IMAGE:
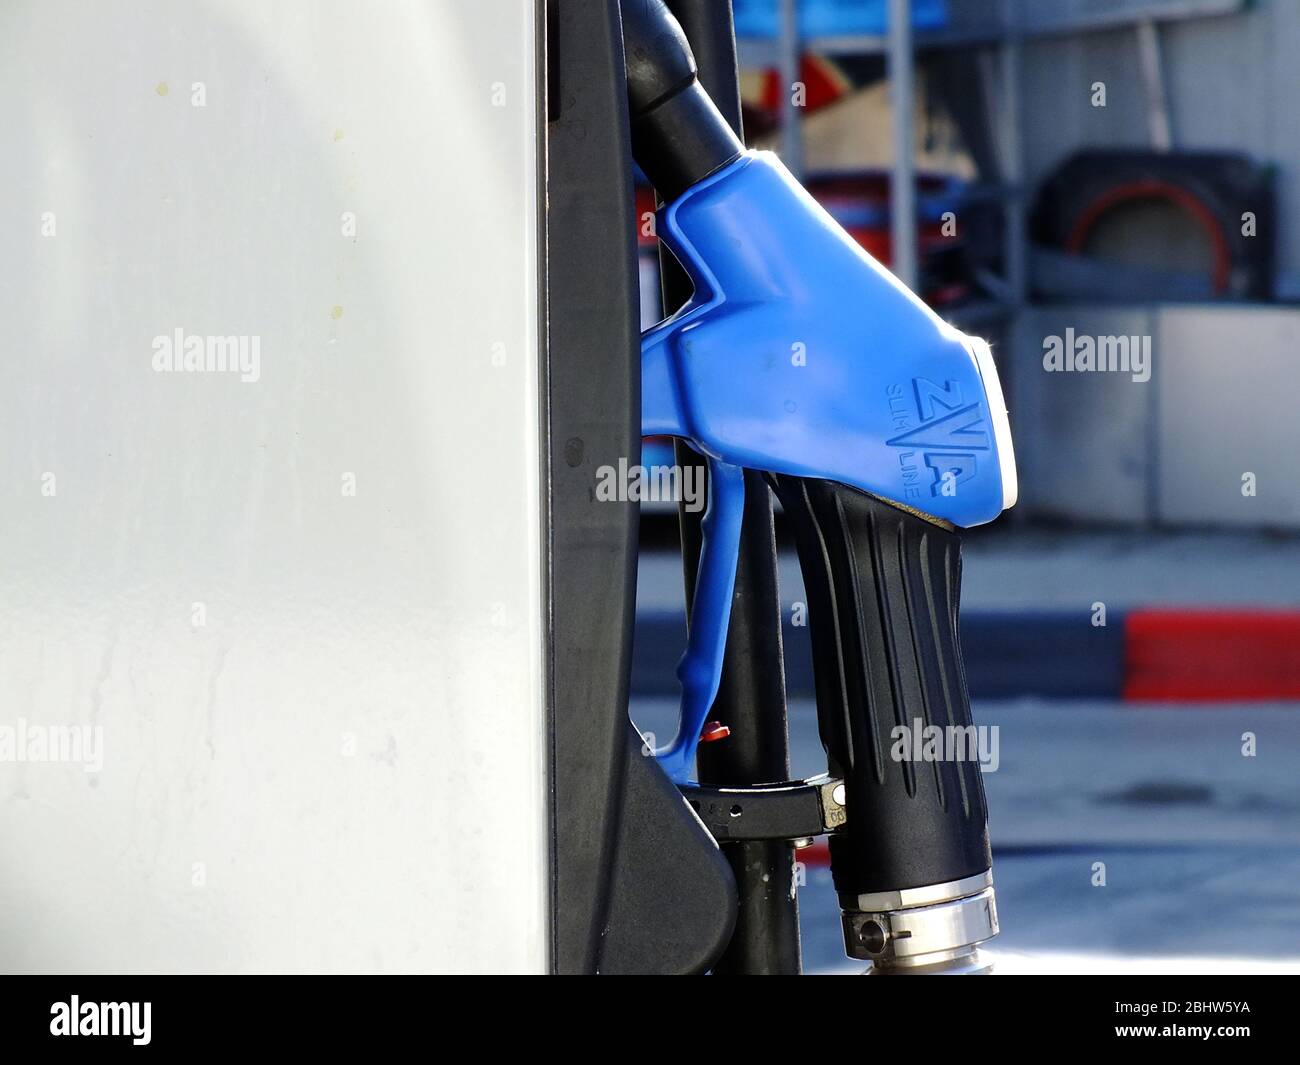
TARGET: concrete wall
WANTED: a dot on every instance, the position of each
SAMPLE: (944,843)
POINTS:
(1173,450)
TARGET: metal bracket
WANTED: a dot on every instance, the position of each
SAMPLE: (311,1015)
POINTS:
(792,809)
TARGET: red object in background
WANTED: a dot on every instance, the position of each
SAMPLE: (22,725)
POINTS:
(714,730)
(824,83)
(817,853)
(860,203)
(1211,655)
(1154,189)
(645,207)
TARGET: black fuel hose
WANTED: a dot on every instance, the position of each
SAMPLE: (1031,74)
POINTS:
(678,135)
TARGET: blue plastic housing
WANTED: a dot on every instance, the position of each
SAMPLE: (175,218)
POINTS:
(801,354)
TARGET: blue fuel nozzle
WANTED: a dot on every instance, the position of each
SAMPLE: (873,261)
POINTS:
(801,355)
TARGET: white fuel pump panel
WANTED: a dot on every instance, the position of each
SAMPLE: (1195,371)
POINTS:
(271,641)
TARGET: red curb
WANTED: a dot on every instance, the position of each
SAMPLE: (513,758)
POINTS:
(1211,655)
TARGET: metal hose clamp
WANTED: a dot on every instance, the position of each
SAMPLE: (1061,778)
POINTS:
(927,929)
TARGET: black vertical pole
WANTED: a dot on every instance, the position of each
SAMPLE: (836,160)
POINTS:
(751,700)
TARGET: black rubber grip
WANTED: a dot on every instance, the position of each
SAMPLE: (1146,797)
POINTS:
(883,587)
